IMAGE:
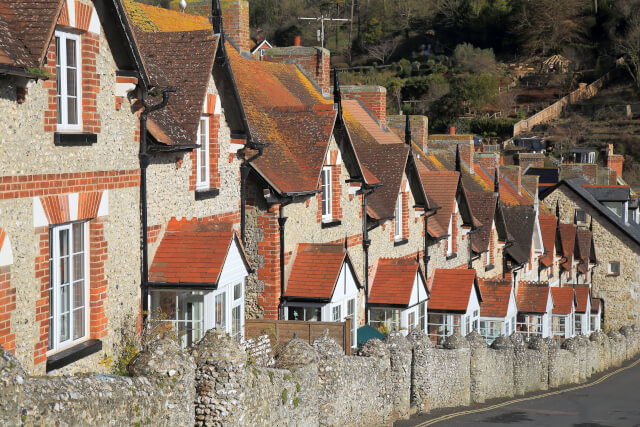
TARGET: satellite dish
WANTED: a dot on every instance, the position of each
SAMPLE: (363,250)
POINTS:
(183,5)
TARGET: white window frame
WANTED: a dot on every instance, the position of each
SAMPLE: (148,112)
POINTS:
(61,65)
(203,181)
(237,303)
(305,306)
(397,231)
(446,324)
(327,192)
(584,215)
(531,325)
(491,329)
(182,298)
(391,319)
(610,270)
(450,237)
(55,344)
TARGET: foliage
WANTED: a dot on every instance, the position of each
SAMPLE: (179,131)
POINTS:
(477,90)
(492,127)
(474,60)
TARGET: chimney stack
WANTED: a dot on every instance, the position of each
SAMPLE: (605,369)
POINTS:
(374,98)
(513,174)
(312,61)
(419,128)
(235,22)
(615,162)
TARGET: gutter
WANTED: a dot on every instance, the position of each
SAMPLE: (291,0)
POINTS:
(143,157)
(281,222)
(21,72)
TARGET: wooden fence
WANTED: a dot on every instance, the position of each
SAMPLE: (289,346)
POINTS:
(281,331)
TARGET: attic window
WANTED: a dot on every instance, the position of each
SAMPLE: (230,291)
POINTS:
(326,194)
(67,81)
(397,232)
(580,216)
(202,155)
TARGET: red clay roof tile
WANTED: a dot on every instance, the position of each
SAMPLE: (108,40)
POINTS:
(315,270)
(495,298)
(563,300)
(567,242)
(451,289)
(548,229)
(532,297)
(393,281)
(583,294)
(441,186)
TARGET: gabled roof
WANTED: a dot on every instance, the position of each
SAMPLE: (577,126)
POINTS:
(563,300)
(193,252)
(548,226)
(383,154)
(451,289)
(315,271)
(26,28)
(508,193)
(285,111)
(393,282)
(483,206)
(584,242)
(520,221)
(532,297)
(595,305)
(583,295)
(441,187)
(576,185)
(495,298)
(609,193)
(152,19)
(567,234)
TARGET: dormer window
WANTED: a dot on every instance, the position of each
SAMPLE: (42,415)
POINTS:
(202,155)
(397,232)
(580,216)
(326,194)
(67,81)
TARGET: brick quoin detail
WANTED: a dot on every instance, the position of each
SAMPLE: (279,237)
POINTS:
(336,196)
(352,241)
(42,303)
(269,249)
(405,214)
(454,232)
(97,282)
(491,249)
(13,187)
(7,306)
(214,155)
(90,82)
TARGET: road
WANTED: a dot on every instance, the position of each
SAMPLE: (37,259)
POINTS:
(607,400)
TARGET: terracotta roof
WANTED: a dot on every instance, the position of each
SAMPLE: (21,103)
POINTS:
(583,294)
(183,60)
(567,241)
(442,187)
(548,229)
(193,251)
(532,297)
(584,241)
(315,270)
(495,298)
(393,282)
(451,289)
(508,193)
(157,19)
(26,28)
(378,152)
(483,207)
(520,221)
(285,111)
(595,305)
(563,300)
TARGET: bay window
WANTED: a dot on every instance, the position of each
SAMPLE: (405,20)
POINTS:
(68,287)
(530,325)
(202,154)
(312,313)
(385,319)
(441,325)
(326,194)
(67,81)
(490,330)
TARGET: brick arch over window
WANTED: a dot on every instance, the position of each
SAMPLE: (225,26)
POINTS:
(7,294)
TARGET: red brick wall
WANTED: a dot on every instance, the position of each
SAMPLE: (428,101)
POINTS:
(42,303)
(615,163)
(235,22)
(13,187)
(153,231)
(97,282)
(7,306)
(405,214)
(336,196)
(214,153)
(489,161)
(513,174)
(269,248)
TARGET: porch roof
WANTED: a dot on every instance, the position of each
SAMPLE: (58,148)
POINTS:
(495,298)
(193,252)
(532,297)
(393,282)
(582,298)
(563,299)
(451,289)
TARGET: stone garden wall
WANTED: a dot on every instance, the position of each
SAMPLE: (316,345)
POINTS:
(311,385)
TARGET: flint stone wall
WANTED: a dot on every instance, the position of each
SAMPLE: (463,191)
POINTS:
(159,392)
(485,363)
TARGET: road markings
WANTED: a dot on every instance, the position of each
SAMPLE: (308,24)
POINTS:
(524,399)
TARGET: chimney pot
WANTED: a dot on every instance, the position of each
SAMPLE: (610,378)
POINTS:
(297,41)
(452,130)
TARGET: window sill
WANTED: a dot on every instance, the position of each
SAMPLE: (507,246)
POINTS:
(400,242)
(452,256)
(73,354)
(489,267)
(205,194)
(613,274)
(330,224)
(73,139)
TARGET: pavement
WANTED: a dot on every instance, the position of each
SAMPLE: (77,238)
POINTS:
(609,399)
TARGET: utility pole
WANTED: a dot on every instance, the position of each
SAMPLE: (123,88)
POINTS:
(322,19)
(350,33)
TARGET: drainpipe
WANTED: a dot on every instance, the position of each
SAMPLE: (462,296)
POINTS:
(281,222)
(366,242)
(143,156)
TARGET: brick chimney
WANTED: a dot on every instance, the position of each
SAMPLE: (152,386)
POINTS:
(535,160)
(513,174)
(489,161)
(449,142)
(615,162)
(312,61)
(372,97)
(235,22)
(419,128)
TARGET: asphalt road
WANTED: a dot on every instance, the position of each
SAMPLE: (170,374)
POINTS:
(615,401)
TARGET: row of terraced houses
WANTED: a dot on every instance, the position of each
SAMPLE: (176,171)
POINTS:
(150,163)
